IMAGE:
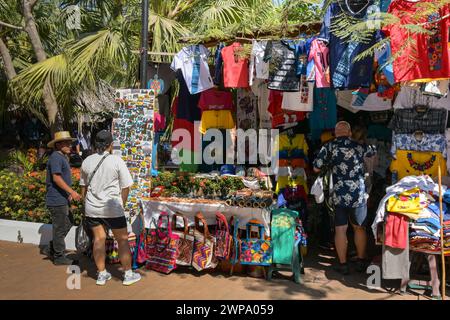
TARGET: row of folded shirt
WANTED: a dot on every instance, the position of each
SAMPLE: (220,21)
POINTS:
(413,215)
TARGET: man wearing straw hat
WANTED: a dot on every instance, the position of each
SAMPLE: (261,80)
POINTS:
(345,158)
(59,195)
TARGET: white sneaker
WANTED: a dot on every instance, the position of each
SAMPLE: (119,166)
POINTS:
(102,278)
(128,280)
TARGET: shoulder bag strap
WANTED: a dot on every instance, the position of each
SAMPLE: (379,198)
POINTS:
(96,168)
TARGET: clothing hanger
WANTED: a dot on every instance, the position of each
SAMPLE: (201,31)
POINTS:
(418,135)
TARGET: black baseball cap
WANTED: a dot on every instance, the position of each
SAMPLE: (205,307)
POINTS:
(103,139)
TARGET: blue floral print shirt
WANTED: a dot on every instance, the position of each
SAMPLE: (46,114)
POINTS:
(345,158)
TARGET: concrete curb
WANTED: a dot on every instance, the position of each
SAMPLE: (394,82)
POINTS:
(33,233)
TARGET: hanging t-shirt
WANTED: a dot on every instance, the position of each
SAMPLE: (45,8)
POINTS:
(408,97)
(187,103)
(235,66)
(218,65)
(283,227)
(356,101)
(427,56)
(416,163)
(319,53)
(214,99)
(193,63)
(247,106)
(283,59)
(345,72)
(412,120)
(324,115)
(301,100)
(282,117)
(260,90)
(259,69)
(428,142)
(217,119)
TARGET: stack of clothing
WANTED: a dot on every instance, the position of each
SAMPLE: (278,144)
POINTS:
(425,231)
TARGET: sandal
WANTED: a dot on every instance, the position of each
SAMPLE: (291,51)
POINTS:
(439,297)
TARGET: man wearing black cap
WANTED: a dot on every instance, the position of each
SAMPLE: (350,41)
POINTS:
(105,183)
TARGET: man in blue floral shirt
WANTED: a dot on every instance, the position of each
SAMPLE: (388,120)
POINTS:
(345,158)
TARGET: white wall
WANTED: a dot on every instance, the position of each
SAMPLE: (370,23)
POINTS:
(30,232)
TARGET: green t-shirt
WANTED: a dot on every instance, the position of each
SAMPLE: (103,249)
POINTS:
(283,235)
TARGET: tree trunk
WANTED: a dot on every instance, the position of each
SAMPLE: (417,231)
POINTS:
(7,60)
(49,98)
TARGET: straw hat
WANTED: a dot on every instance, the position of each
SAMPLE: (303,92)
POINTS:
(60,136)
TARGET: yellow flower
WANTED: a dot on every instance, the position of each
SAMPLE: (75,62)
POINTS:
(7,209)
(17,197)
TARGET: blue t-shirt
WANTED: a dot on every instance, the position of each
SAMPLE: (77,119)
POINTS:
(344,71)
(57,164)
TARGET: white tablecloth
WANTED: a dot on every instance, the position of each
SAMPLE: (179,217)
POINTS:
(152,209)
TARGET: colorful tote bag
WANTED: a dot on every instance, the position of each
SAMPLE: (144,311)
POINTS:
(203,257)
(223,237)
(185,242)
(140,253)
(255,251)
(112,248)
(162,247)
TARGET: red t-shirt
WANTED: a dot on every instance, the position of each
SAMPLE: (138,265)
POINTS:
(280,116)
(213,99)
(427,57)
(235,68)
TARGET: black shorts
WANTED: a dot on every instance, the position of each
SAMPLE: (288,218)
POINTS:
(357,216)
(111,223)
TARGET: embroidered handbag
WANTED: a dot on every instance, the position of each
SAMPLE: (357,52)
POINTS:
(112,247)
(162,247)
(140,253)
(223,237)
(255,251)
(203,257)
(185,242)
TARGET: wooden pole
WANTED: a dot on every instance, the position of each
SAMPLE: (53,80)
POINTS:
(442,230)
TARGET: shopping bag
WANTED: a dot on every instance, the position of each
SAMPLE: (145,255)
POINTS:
(140,253)
(255,251)
(82,241)
(162,247)
(112,247)
(185,241)
(223,237)
(203,257)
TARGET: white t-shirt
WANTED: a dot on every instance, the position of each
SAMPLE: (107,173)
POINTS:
(260,90)
(258,68)
(301,100)
(408,97)
(103,198)
(373,102)
(193,62)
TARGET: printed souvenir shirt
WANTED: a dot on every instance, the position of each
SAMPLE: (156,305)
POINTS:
(416,163)
(235,67)
(428,142)
(213,99)
(259,69)
(346,73)
(282,117)
(345,157)
(319,53)
(193,62)
(283,65)
(427,56)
